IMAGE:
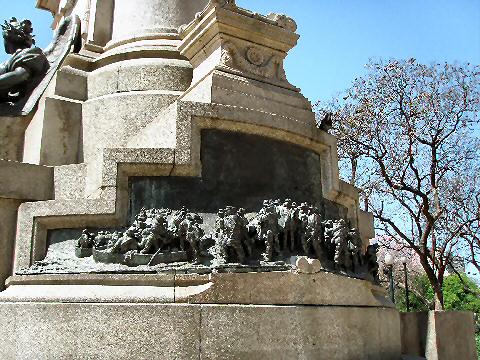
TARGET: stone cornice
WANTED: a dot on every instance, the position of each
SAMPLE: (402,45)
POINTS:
(236,22)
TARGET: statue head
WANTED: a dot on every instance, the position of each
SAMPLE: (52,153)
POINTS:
(17,35)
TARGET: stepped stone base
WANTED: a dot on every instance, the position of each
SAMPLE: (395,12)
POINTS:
(54,331)
(277,315)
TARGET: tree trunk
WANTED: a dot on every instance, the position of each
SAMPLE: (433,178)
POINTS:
(438,295)
(354,164)
(437,285)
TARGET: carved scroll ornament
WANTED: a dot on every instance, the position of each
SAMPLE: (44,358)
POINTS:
(253,60)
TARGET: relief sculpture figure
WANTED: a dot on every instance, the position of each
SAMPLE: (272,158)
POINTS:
(278,232)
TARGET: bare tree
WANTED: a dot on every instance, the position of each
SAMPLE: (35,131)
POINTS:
(409,138)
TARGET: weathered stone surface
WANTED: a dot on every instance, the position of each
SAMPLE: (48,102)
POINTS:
(100,24)
(25,182)
(277,333)
(140,75)
(267,288)
(92,293)
(106,279)
(122,115)
(439,335)
(282,288)
(133,331)
(98,331)
(147,18)
(72,83)
(12,130)
(69,181)
(454,336)
(414,331)
(8,222)
(62,126)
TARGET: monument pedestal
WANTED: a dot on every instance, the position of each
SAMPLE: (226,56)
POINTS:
(164,139)
(219,316)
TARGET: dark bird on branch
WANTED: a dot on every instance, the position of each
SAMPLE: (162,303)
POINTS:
(327,123)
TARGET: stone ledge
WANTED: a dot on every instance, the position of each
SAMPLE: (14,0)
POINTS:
(269,288)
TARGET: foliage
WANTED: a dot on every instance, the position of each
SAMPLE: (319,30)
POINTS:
(420,295)
(460,294)
(406,135)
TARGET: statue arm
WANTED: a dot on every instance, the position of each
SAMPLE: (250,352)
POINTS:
(14,78)
(3,68)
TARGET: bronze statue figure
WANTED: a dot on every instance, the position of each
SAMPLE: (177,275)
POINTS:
(26,75)
(27,63)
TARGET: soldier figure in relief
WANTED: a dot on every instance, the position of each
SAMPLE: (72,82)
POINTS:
(86,240)
(234,233)
(286,222)
(127,242)
(269,230)
(356,248)
(176,228)
(302,232)
(315,232)
(155,235)
(340,241)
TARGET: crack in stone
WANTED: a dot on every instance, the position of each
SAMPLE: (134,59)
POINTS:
(173,165)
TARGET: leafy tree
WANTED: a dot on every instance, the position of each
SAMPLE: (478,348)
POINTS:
(408,138)
(461,293)
(457,296)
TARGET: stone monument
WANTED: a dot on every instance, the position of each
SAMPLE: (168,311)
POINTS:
(165,193)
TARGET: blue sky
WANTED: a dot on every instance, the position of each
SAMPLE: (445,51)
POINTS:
(338,37)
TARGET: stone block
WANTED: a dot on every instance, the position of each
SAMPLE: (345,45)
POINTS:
(101,21)
(61,131)
(439,335)
(8,224)
(123,115)
(70,181)
(25,181)
(365,225)
(140,19)
(154,74)
(72,83)
(281,288)
(285,333)
(414,329)
(12,131)
(78,330)
(451,336)
(98,331)
(140,75)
